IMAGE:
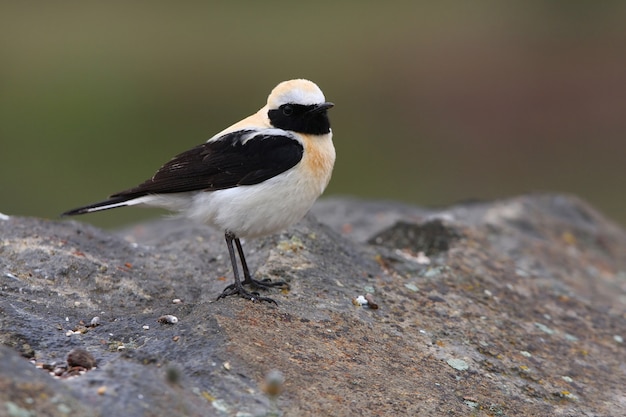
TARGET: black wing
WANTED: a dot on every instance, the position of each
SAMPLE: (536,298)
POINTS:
(224,163)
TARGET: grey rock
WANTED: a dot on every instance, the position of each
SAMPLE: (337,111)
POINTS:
(491,277)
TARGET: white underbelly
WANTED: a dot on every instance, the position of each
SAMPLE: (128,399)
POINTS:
(256,210)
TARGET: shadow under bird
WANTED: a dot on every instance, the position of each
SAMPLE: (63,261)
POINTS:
(254,178)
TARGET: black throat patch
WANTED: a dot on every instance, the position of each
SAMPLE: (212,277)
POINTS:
(301,119)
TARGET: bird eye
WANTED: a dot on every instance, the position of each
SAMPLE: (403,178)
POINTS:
(287,110)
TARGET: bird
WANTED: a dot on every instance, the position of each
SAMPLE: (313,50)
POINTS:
(255,178)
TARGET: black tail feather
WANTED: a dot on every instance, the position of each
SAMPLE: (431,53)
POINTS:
(102,205)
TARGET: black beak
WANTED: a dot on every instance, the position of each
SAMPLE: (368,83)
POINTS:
(322,107)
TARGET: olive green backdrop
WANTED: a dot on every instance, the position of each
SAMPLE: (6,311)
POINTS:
(436,102)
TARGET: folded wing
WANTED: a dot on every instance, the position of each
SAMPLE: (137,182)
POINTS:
(227,162)
(235,159)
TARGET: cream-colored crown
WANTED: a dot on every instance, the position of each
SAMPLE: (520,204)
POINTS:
(297,91)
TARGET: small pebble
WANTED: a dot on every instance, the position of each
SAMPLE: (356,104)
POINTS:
(95,321)
(359,301)
(80,357)
(544,328)
(422,259)
(432,272)
(146,327)
(370,301)
(273,384)
(47,366)
(618,338)
(167,319)
(172,375)
(102,390)
(219,404)
(470,403)
(458,364)
(177,301)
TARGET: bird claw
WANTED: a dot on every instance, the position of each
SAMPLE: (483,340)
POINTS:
(234,289)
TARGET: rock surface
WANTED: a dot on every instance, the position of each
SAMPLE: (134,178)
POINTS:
(508,308)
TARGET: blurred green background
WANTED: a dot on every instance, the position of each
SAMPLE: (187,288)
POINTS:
(436,102)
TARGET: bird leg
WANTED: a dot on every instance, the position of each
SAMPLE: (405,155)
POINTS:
(256,284)
(237,286)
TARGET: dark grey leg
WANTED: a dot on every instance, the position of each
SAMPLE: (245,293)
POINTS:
(237,286)
(247,278)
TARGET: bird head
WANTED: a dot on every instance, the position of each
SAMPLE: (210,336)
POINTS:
(299,106)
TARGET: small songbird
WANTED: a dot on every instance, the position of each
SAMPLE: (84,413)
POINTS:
(255,178)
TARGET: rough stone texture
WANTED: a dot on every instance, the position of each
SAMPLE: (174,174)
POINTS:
(520,312)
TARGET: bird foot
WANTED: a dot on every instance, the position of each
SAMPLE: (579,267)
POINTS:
(238,289)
